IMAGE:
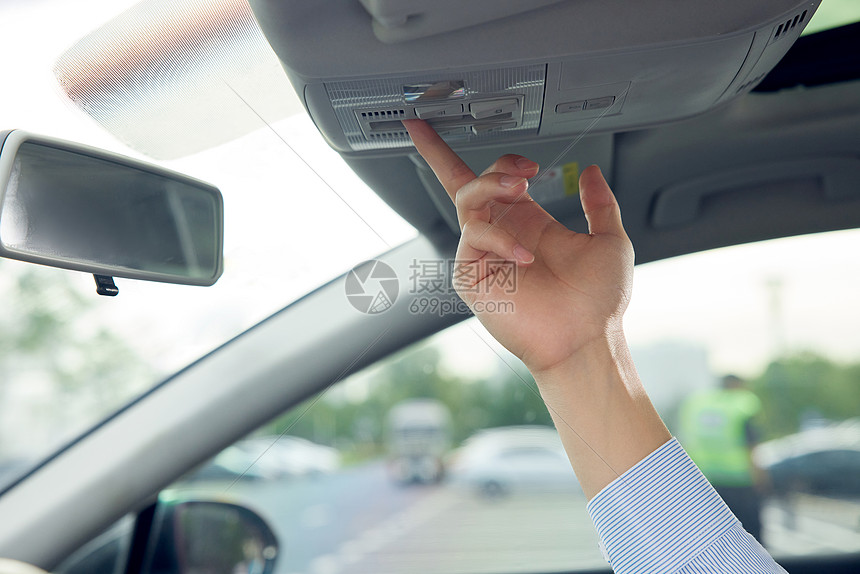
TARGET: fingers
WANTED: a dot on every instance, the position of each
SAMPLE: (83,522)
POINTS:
(503,182)
(452,171)
(480,237)
(515,165)
(598,203)
(473,201)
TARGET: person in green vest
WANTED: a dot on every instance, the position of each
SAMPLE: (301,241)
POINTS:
(718,433)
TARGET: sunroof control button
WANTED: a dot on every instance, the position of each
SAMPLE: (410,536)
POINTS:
(568,107)
(599,103)
(489,108)
(479,129)
(438,111)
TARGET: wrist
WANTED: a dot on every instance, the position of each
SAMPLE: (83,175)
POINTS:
(600,408)
(603,357)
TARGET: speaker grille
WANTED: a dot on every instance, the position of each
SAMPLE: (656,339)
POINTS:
(783,29)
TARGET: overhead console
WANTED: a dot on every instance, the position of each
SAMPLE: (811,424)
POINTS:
(487,71)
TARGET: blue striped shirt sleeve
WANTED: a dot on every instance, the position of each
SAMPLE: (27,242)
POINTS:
(663,516)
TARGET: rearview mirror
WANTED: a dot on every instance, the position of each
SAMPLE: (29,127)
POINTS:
(72,206)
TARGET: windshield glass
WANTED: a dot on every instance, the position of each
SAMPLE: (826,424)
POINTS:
(68,357)
(832,14)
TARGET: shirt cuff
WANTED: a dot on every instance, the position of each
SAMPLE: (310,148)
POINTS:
(659,515)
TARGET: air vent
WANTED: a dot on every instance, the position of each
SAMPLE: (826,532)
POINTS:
(383,114)
(388,135)
(783,29)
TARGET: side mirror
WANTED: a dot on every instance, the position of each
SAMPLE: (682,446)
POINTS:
(72,206)
(201,536)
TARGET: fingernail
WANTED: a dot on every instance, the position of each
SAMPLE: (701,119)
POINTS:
(523,255)
(524,163)
(511,180)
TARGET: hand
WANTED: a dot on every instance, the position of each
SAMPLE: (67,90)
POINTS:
(571,288)
(571,292)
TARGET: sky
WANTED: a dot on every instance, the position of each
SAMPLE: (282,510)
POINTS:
(290,228)
(748,303)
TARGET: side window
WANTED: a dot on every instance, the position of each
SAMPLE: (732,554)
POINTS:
(751,356)
(443,458)
(105,554)
(440,459)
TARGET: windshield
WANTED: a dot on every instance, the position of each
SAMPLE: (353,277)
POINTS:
(68,357)
(832,14)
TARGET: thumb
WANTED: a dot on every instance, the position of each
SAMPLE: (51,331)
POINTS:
(598,203)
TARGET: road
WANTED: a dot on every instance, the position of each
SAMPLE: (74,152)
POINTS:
(358,521)
(812,525)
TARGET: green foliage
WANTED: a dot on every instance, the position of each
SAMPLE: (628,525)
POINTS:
(40,313)
(791,389)
(509,398)
(44,334)
(806,385)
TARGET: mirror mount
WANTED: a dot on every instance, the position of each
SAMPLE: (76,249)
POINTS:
(106,286)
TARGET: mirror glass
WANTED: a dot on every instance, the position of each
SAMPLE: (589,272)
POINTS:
(71,209)
(197,537)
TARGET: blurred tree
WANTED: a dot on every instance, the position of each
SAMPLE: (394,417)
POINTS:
(801,385)
(509,398)
(54,358)
(790,388)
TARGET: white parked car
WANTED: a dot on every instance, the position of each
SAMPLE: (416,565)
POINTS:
(291,456)
(269,458)
(518,459)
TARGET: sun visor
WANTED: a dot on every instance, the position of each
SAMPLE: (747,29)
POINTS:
(485,71)
(174,77)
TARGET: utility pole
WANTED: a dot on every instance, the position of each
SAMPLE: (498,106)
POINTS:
(774,287)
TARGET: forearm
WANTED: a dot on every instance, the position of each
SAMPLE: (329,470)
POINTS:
(604,417)
(663,515)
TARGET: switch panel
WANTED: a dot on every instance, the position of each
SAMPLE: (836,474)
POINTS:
(577,106)
(463,106)
(476,116)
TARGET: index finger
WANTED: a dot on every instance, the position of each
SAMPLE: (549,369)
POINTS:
(452,171)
